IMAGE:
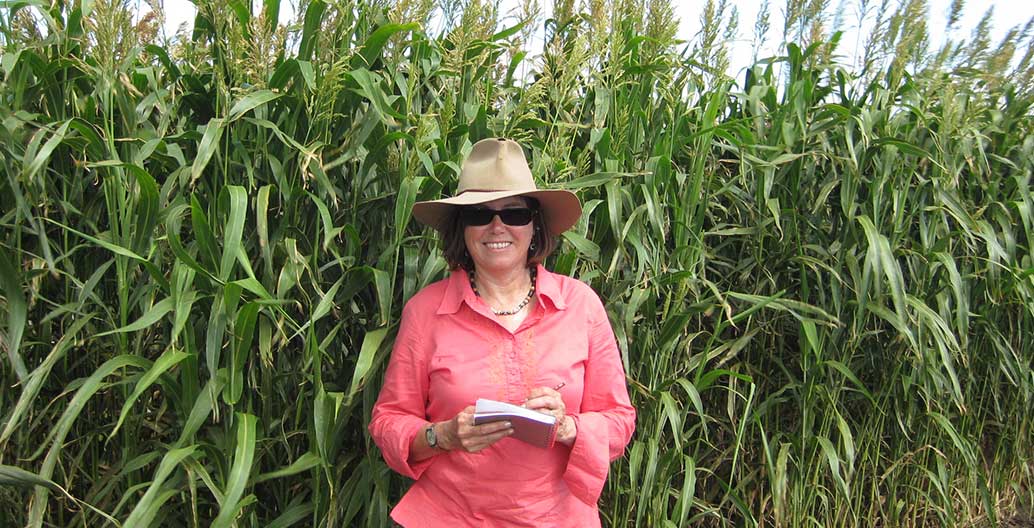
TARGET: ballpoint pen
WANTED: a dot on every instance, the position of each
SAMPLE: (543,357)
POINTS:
(560,386)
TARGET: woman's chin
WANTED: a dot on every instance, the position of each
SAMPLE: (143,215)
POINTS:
(498,264)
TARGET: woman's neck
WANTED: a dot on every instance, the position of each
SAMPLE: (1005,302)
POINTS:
(503,286)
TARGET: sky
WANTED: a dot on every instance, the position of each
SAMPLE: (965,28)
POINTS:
(1007,13)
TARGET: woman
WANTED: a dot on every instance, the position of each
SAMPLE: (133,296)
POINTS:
(501,327)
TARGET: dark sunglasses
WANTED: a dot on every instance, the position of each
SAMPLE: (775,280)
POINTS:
(479,216)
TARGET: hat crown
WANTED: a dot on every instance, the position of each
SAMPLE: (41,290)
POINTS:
(496,164)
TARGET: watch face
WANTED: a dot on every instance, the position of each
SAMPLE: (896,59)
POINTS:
(432,438)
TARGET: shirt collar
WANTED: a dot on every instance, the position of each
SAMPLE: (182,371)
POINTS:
(547,285)
(458,290)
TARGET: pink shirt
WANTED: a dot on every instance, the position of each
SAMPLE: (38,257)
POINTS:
(451,350)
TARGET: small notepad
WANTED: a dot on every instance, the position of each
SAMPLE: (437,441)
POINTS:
(533,427)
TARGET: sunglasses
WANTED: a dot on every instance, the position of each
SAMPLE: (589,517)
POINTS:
(480,216)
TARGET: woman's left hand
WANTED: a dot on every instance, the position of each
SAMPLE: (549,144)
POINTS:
(549,401)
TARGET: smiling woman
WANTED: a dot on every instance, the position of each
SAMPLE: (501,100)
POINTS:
(502,327)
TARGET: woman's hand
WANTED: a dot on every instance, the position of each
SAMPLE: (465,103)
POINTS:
(461,433)
(549,401)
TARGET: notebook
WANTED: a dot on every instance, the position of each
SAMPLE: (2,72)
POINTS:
(533,427)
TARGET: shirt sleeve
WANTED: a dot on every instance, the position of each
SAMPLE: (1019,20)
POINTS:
(607,419)
(400,412)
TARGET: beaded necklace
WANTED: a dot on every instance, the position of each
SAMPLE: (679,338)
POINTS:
(516,309)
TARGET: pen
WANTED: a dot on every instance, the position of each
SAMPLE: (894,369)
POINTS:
(558,387)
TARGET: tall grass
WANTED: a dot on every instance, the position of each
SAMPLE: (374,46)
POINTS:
(820,276)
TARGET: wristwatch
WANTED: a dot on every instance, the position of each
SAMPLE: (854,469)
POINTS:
(431,436)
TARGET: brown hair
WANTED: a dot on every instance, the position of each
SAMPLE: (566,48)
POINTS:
(454,247)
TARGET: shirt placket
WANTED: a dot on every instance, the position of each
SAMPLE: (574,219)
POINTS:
(512,368)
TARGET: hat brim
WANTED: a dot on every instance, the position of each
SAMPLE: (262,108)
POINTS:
(561,209)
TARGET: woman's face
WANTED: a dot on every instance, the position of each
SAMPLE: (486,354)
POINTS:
(498,247)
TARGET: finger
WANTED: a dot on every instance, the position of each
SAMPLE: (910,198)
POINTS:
(464,425)
(538,391)
(493,438)
(544,402)
(464,418)
(473,445)
(537,402)
(492,428)
(469,430)
(542,391)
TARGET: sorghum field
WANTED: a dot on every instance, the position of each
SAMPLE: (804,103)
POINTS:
(819,269)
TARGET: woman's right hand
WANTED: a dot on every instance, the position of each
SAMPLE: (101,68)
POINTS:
(461,433)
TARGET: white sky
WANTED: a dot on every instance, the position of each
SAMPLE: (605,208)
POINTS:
(1007,14)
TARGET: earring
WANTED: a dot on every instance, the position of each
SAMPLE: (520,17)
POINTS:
(531,248)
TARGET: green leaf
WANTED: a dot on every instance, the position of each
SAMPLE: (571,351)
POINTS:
(201,409)
(311,29)
(169,359)
(242,10)
(586,247)
(404,205)
(904,146)
(149,505)
(371,50)
(234,230)
(326,302)
(208,147)
(509,32)
(42,157)
(382,284)
(163,57)
(240,472)
(146,209)
(673,416)
(961,297)
(304,463)
(250,102)
(326,406)
(271,13)
(833,460)
(244,333)
(841,368)
(292,515)
(153,315)
(203,233)
(10,283)
(16,476)
(116,249)
(262,226)
(329,231)
(370,89)
(879,251)
(698,403)
(371,344)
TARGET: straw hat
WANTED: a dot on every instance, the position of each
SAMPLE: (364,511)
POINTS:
(496,168)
